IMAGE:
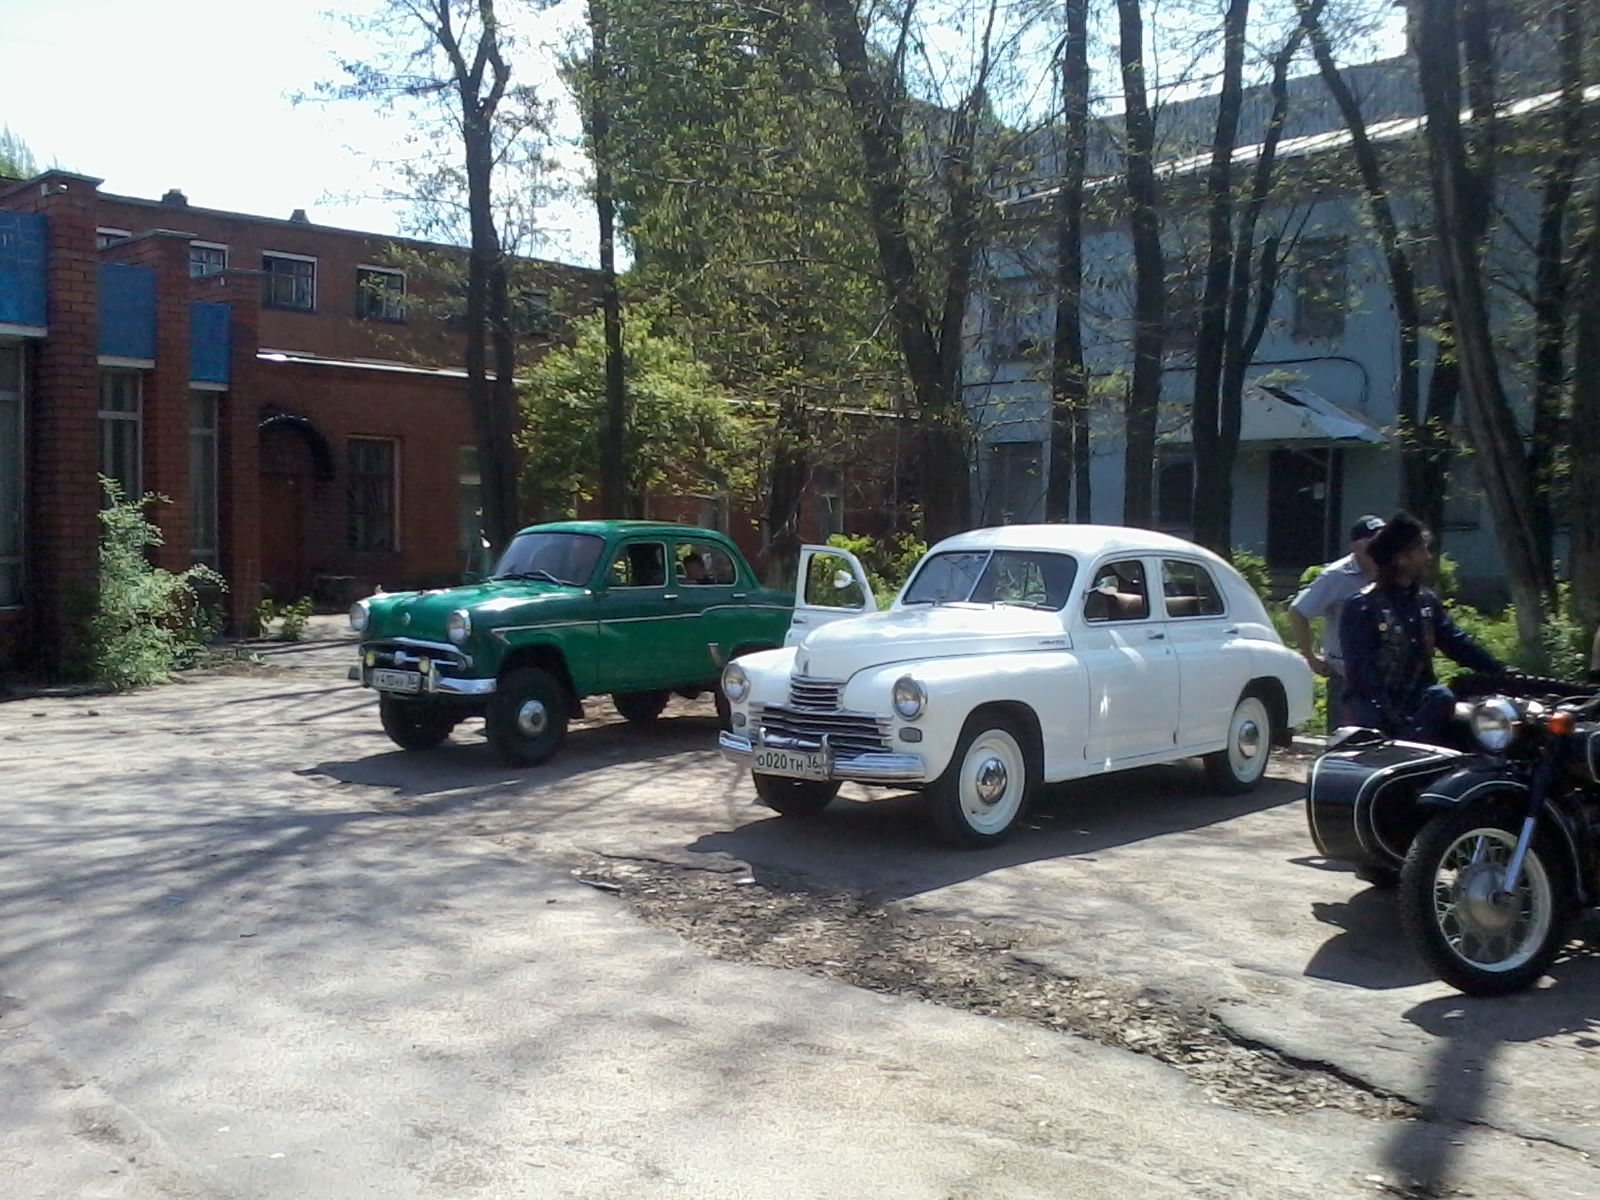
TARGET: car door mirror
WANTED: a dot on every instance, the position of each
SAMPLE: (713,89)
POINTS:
(1107,586)
(471,577)
(842,579)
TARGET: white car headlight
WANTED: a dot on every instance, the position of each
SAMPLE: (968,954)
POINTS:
(358,616)
(458,626)
(735,683)
(910,698)
(1494,723)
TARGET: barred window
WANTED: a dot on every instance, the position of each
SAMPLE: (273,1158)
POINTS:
(370,477)
(380,294)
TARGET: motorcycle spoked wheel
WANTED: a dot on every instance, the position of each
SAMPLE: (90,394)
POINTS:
(1470,936)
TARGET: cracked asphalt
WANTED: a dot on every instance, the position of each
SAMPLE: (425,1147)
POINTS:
(249,949)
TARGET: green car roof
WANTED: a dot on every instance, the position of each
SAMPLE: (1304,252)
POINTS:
(604,528)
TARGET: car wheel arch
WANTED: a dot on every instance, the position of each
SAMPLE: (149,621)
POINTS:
(547,658)
(1269,689)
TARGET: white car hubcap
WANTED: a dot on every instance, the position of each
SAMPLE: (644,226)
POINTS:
(1248,735)
(993,777)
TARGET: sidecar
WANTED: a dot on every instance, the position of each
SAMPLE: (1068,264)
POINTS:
(1362,805)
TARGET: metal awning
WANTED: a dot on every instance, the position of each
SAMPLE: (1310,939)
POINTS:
(1289,417)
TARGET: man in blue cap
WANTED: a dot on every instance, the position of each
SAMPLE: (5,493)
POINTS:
(1324,597)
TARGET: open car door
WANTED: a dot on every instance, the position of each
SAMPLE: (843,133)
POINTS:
(832,586)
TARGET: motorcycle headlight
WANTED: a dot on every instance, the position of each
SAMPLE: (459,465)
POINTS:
(458,626)
(1494,723)
(735,683)
(910,698)
(358,616)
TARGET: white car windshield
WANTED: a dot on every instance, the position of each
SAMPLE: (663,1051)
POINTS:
(1026,578)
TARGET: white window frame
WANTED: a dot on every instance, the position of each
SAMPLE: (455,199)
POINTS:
(105,236)
(394,491)
(135,418)
(402,294)
(198,245)
(19,560)
(285,256)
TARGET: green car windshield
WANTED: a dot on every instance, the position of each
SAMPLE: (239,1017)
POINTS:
(568,558)
(1027,578)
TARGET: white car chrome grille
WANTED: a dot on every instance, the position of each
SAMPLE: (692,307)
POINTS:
(814,695)
(847,733)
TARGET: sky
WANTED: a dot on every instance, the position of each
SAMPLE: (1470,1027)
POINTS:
(197,95)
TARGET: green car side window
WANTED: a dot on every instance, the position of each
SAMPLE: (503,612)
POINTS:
(641,564)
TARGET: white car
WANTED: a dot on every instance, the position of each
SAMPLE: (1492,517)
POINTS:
(1018,656)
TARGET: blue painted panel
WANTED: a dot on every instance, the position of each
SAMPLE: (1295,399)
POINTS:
(127,311)
(22,277)
(210,327)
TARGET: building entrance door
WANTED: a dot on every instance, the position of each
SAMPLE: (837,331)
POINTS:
(287,480)
(1303,507)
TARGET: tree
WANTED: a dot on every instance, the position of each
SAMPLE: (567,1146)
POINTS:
(613,467)
(1149,302)
(1462,194)
(1069,379)
(682,435)
(16,158)
(445,62)
(928,320)
(1584,428)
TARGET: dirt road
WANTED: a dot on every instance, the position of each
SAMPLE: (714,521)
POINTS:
(250,949)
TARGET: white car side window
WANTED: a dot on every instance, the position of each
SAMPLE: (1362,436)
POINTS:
(1118,593)
(1189,590)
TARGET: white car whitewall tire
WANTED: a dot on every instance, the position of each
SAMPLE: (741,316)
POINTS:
(988,785)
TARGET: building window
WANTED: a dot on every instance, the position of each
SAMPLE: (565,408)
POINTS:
(1175,496)
(290,281)
(1014,487)
(121,407)
(380,294)
(207,258)
(1014,327)
(469,506)
(1463,494)
(11,469)
(203,410)
(1321,288)
(532,314)
(371,478)
(109,237)
(830,505)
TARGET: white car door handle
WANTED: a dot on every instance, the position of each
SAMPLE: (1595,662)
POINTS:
(1156,635)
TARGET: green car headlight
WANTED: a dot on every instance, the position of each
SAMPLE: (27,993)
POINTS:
(359,615)
(458,626)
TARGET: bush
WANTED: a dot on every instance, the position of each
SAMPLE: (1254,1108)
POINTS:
(293,617)
(1254,569)
(146,622)
(888,563)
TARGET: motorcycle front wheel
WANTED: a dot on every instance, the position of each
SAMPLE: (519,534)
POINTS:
(1458,918)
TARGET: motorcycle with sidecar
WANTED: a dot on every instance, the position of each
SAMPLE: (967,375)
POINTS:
(1492,835)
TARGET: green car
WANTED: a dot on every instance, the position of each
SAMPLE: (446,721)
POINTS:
(639,609)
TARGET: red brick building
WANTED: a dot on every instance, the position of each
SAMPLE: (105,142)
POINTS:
(266,375)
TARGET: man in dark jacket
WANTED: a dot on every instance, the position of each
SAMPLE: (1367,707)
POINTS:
(1389,632)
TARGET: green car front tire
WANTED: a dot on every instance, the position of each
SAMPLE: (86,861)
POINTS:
(527,717)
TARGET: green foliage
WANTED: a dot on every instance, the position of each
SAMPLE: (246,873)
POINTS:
(888,563)
(16,159)
(1254,569)
(293,618)
(146,622)
(683,435)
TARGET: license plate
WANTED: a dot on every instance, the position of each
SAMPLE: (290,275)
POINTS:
(812,764)
(397,681)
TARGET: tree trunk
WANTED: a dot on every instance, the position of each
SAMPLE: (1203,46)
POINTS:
(787,472)
(1402,277)
(1432,464)
(615,500)
(1069,392)
(1584,440)
(1550,285)
(1461,200)
(1213,465)
(1149,302)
